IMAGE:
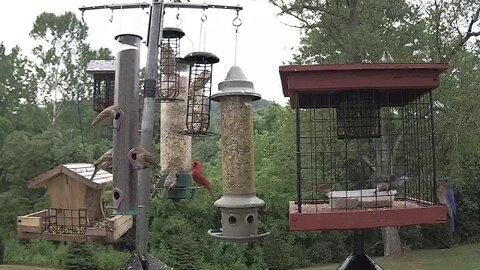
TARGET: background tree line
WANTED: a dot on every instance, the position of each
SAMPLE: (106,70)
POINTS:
(40,129)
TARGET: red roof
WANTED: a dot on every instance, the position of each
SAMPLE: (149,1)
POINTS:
(392,76)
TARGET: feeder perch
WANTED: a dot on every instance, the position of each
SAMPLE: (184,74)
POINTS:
(239,204)
(168,88)
(183,188)
(199,92)
(103,72)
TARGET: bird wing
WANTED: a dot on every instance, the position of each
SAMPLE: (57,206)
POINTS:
(450,198)
(105,116)
(201,80)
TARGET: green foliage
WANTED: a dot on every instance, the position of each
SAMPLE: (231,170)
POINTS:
(80,256)
(2,249)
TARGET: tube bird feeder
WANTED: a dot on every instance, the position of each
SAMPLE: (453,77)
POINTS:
(199,92)
(239,204)
(125,137)
(176,147)
(168,88)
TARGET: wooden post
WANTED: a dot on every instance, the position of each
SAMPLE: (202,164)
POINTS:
(125,136)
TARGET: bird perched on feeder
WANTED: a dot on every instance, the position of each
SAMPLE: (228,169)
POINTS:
(389,182)
(200,178)
(170,181)
(140,159)
(107,116)
(103,163)
(387,58)
(445,196)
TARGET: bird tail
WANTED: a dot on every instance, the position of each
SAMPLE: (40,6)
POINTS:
(94,173)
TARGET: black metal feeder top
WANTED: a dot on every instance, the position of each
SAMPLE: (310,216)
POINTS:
(201,58)
(172,32)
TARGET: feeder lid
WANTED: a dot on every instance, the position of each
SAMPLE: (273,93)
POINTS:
(182,65)
(172,32)
(235,84)
(239,201)
(201,58)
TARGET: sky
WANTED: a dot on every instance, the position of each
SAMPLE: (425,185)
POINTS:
(264,40)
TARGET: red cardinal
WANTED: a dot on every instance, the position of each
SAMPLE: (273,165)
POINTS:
(200,178)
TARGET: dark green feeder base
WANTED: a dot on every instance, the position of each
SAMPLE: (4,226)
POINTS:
(183,189)
(359,261)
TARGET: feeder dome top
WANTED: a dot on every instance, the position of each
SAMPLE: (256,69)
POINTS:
(201,58)
(239,201)
(235,84)
(172,32)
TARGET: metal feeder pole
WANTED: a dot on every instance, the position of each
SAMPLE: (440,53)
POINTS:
(146,137)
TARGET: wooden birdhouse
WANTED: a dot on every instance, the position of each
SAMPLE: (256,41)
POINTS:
(76,212)
(103,72)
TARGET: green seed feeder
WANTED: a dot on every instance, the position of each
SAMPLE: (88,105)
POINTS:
(183,188)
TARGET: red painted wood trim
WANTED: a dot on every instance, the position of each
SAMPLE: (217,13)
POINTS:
(365,219)
(320,78)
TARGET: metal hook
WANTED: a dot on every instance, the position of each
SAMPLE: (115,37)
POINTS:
(111,17)
(204,16)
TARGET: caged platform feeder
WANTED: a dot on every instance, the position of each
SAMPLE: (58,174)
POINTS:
(199,92)
(76,210)
(168,88)
(364,147)
(103,72)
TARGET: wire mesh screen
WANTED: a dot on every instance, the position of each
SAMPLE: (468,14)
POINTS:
(103,91)
(365,150)
(169,78)
(65,221)
(198,104)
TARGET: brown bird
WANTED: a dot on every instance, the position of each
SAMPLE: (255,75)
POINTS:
(170,181)
(103,163)
(106,117)
(140,159)
(200,81)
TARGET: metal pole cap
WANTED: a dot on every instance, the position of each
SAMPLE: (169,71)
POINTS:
(235,84)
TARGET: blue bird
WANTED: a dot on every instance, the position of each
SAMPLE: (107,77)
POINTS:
(446,197)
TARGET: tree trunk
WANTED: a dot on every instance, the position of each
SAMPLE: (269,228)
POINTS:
(391,242)
(390,237)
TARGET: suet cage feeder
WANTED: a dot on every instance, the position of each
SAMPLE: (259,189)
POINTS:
(239,204)
(359,126)
(182,190)
(168,88)
(199,92)
(103,72)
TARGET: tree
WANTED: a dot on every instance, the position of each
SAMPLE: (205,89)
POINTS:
(17,85)
(62,57)
(343,31)
(80,257)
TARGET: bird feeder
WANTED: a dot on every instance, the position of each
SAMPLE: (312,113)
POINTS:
(125,137)
(75,213)
(357,126)
(199,92)
(103,72)
(239,204)
(168,88)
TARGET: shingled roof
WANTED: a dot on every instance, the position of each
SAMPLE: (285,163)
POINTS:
(81,172)
(99,66)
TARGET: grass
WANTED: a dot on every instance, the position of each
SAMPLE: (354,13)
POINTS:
(23,267)
(465,257)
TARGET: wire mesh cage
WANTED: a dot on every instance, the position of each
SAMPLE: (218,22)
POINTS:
(199,92)
(168,88)
(365,149)
(103,91)
(103,72)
